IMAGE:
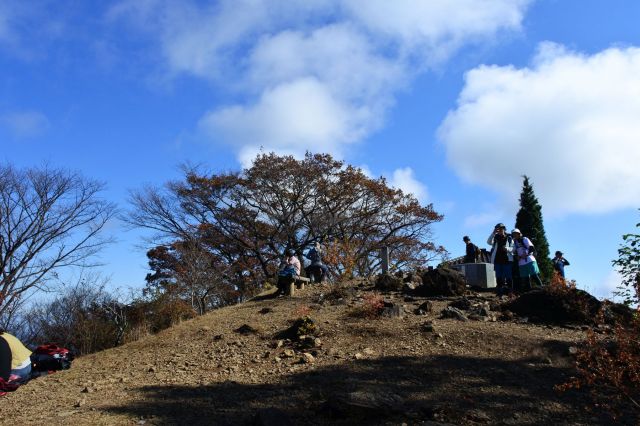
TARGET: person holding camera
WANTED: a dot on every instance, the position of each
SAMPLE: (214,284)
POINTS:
(502,258)
(559,262)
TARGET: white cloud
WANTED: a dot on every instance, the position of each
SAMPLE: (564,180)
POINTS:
(314,75)
(569,121)
(435,29)
(405,180)
(607,288)
(25,124)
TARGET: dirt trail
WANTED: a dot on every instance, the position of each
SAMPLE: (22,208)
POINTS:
(362,371)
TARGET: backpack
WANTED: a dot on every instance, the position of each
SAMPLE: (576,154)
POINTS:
(533,251)
(51,358)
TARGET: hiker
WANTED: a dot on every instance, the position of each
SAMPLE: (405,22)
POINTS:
(502,258)
(15,359)
(316,268)
(472,250)
(291,265)
(289,270)
(527,264)
(559,262)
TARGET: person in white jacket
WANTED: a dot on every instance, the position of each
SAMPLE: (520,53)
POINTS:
(527,263)
(502,258)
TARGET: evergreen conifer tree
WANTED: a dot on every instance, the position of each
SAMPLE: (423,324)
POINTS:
(529,221)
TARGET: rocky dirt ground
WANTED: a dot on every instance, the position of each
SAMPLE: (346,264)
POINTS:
(233,367)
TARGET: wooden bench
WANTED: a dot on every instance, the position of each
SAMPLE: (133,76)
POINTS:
(291,283)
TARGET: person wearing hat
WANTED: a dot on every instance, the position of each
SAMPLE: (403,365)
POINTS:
(472,251)
(559,262)
(502,257)
(527,264)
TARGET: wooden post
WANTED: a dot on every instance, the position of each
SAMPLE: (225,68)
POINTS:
(384,256)
(291,287)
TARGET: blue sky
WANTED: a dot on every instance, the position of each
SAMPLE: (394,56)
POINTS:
(452,100)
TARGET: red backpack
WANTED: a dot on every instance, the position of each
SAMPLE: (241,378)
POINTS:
(51,358)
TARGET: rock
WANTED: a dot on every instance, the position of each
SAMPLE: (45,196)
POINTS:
(427,327)
(507,315)
(307,358)
(288,353)
(424,308)
(387,282)
(246,329)
(450,312)
(303,326)
(364,405)
(393,311)
(368,351)
(408,288)
(546,305)
(442,282)
(462,304)
(265,311)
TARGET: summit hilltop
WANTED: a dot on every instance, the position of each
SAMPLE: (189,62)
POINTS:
(249,364)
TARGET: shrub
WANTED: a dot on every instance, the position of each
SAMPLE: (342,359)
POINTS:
(371,308)
(608,365)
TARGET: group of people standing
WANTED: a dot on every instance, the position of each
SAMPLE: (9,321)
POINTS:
(507,248)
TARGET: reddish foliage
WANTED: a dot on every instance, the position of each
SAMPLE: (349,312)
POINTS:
(608,365)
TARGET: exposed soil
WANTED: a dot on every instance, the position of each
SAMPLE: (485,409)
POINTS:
(229,367)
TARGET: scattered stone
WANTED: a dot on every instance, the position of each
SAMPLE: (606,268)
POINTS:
(387,282)
(545,305)
(507,315)
(393,311)
(288,353)
(307,358)
(364,405)
(427,327)
(408,288)
(454,313)
(368,351)
(301,327)
(442,282)
(246,329)
(265,311)
(573,350)
(462,304)
(218,337)
(424,308)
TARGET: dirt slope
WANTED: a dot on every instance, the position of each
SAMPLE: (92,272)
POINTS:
(382,371)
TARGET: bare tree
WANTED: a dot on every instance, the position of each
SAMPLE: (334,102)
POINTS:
(49,219)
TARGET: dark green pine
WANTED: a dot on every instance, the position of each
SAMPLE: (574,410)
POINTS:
(529,221)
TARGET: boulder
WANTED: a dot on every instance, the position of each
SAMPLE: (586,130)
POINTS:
(546,305)
(442,282)
(387,282)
